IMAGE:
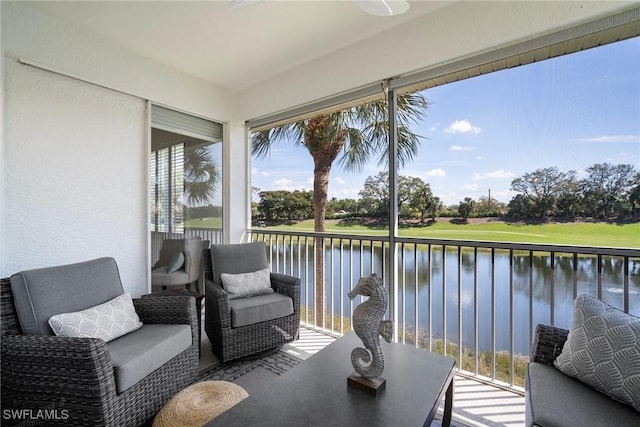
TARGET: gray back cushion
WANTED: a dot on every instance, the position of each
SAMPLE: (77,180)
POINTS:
(169,248)
(238,258)
(191,248)
(603,350)
(193,257)
(41,293)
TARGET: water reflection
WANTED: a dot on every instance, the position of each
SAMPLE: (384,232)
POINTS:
(513,285)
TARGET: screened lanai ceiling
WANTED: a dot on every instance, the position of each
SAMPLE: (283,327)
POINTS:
(286,59)
(232,48)
(598,32)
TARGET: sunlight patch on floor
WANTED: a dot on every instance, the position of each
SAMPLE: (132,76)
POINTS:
(489,405)
(308,344)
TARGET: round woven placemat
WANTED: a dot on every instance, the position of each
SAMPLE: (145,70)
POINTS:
(199,403)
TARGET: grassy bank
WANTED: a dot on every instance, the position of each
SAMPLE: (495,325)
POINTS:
(599,234)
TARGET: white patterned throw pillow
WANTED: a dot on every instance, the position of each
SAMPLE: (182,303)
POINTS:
(247,284)
(106,321)
(603,350)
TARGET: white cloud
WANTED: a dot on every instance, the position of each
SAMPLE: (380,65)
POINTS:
(434,127)
(350,193)
(435,172)
(479,158)
(254,171)
(459,148)
(498,174)
(339,180)
(470,187)
(462,126)
(265,173)
(611,138)
(283,184)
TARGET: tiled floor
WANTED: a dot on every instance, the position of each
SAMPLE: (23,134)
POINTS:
(476,404)
(479,404)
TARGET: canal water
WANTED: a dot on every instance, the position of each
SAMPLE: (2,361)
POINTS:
(475,287)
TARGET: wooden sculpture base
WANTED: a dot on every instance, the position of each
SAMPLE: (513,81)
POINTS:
(372,387)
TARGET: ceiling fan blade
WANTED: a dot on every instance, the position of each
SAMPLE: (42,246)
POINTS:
(383,7)
(239,4)
(373,7)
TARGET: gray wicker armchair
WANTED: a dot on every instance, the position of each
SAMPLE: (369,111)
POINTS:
(72,381)
(231,338)
(547,343)
(189,272)
(554,399)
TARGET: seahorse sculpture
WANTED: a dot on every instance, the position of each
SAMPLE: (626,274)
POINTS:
(369,326)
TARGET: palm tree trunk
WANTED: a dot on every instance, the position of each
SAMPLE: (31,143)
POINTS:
(324,151)
(320,189)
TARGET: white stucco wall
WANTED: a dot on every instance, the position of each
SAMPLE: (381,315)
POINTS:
(30,34)
(73,176)
(63,163)
(1,145)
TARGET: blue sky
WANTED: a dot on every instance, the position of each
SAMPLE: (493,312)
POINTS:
(481,133)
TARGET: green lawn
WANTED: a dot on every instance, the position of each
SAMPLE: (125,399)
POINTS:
(204,222)
(579,233)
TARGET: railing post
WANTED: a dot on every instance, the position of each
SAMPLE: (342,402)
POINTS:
(392,104)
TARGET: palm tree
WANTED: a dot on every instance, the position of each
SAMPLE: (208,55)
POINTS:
(201,176)
(352,136)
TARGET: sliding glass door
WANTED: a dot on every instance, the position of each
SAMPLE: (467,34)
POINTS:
(185,167)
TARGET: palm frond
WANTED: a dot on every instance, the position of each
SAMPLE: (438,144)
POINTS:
(362,130)
(262,141)
(356,152)
(201,176)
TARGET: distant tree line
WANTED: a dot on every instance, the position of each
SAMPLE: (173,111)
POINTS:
(607,191)
(284,205)
(208,211)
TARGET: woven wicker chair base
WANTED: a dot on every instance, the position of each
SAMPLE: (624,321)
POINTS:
(199,403)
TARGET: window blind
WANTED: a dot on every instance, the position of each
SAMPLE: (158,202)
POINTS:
(177,188)
(167,189)
(185,124)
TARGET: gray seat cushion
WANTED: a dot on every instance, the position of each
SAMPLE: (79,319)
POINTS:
(250,310)
(42,293)
(554,399)
(161,277)
(137,354)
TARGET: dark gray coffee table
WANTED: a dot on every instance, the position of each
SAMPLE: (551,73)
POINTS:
(315,392)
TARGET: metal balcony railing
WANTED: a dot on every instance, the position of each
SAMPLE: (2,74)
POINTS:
(213,235)
(478,302)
